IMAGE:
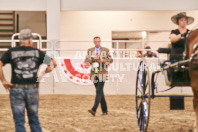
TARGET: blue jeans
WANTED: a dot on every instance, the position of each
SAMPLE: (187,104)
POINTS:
(20,99)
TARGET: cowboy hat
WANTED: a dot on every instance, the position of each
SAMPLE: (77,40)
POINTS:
(175,18)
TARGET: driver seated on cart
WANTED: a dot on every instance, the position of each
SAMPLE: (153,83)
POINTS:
(178,38)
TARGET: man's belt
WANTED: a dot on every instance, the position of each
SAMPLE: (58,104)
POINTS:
(25,85)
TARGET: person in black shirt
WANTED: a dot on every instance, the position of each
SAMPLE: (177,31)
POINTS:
(25,61)
(177,36)
(149,53)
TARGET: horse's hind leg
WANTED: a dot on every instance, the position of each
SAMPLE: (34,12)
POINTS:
(194,126)
(194,85)
(195,104)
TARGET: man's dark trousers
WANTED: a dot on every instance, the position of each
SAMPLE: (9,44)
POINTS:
(99,85)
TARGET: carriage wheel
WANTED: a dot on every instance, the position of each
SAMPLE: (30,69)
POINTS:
(142,97)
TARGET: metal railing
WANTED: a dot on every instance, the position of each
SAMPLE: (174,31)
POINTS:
(39,42)
(55,48)
(113,51)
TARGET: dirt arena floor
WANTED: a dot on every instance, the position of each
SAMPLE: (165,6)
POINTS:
(68,113)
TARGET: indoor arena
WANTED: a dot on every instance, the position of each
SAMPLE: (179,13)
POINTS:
(98,66)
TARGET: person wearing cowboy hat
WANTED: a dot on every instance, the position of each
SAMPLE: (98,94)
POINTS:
(177,36)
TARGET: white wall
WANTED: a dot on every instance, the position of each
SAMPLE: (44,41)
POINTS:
(84,25)
(23,5)
(129,5)
(41,5)
(53,19)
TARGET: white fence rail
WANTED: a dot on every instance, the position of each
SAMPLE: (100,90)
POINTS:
(58,86)
(54,46)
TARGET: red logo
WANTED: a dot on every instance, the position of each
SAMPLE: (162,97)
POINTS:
(76,70)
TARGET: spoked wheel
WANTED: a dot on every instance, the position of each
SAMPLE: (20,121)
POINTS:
(142,97)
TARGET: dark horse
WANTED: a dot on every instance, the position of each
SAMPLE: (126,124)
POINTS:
(191,41)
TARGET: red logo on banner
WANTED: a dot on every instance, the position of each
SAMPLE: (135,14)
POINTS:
(76,70)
